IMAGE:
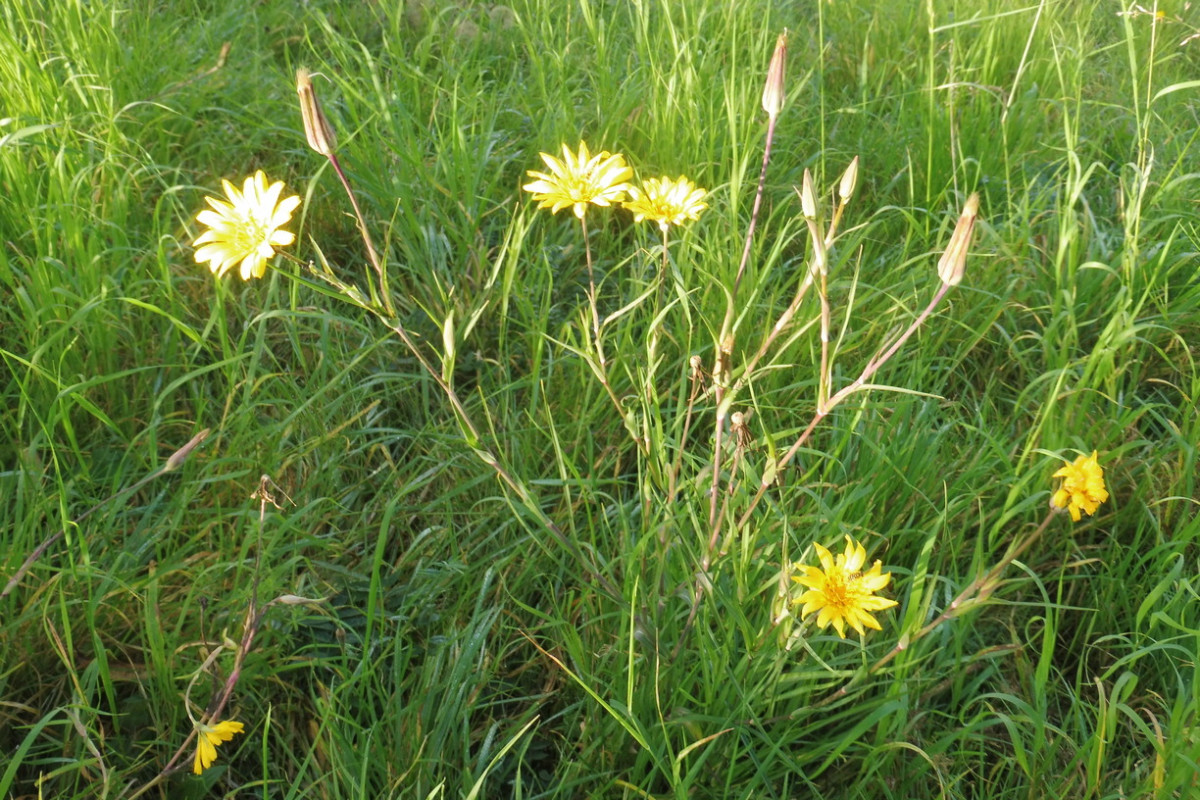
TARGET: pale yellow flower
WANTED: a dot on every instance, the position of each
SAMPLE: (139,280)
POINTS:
(207,739)
(1082,487)
(579,179)
(840,592)
(247,229)
(665,201)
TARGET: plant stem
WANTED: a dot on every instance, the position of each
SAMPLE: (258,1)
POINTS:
(384,292)
(976,591)
(872,367)
(726,339)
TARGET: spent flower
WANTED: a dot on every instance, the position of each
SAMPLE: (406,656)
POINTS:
(1082,489)
(665,201)
(580,178)
(772,99)
(207,739)
(247,229)
(953,262)
(320,134)
(840,592)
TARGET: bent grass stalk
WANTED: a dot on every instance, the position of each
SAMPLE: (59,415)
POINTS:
(772,103)
(174,461)
(726,340)
(976,592)
(251,622)
(470,432)
(951,267)
(601,368)
(322,139)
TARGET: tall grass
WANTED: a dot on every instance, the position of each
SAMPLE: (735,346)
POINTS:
(442,633)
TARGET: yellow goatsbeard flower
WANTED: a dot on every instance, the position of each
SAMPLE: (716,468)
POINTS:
(665,201)
(580,179)
(840,592)
(247,228)
(207,739)
(1082,487)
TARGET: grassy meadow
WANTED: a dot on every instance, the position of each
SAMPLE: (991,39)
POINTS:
(449,535)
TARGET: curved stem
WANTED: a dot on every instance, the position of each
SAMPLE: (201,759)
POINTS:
(384,292)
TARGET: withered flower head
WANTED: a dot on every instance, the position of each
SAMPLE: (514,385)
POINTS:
(320,134)
(772,99)
(953,262)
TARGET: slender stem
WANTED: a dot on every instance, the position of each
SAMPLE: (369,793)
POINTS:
(730,308)
(979,589)
(726,340)
(602,362)
(587,250)
(714,537)
(826,375)
(833,223)
(472,434)
(715,487)
(697,381)
(662,272)
(784,319)
(384,292)
(250,626)
(871,368)
(173,462)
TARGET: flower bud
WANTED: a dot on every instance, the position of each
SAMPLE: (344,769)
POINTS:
(849,181)
(954,261)
(320,134)
(772,99)
(808,198)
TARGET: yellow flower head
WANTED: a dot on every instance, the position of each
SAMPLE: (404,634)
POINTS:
(207,739)
(246,229)
(580,179)
(841,592)
(1082,487)
(665,201)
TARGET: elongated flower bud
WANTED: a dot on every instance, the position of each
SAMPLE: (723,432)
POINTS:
(772,99)
(320,134)
(849,181)
(953,262)
(808,198)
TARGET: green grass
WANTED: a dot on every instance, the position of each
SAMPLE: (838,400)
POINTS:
(458,645)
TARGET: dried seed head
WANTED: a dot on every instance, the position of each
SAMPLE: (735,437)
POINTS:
(320,134)
(953,262)
(772,99)
(849,181)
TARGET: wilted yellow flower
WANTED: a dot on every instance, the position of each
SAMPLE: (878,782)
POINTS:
(580,179)
(841,592)
(247,229)
(207,739)
(665,201)
(1082,487)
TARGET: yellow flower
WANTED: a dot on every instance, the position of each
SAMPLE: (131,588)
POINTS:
(1082,487)
(841,592)
(580,179)
(207,739)
(246,229)
(665,201)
